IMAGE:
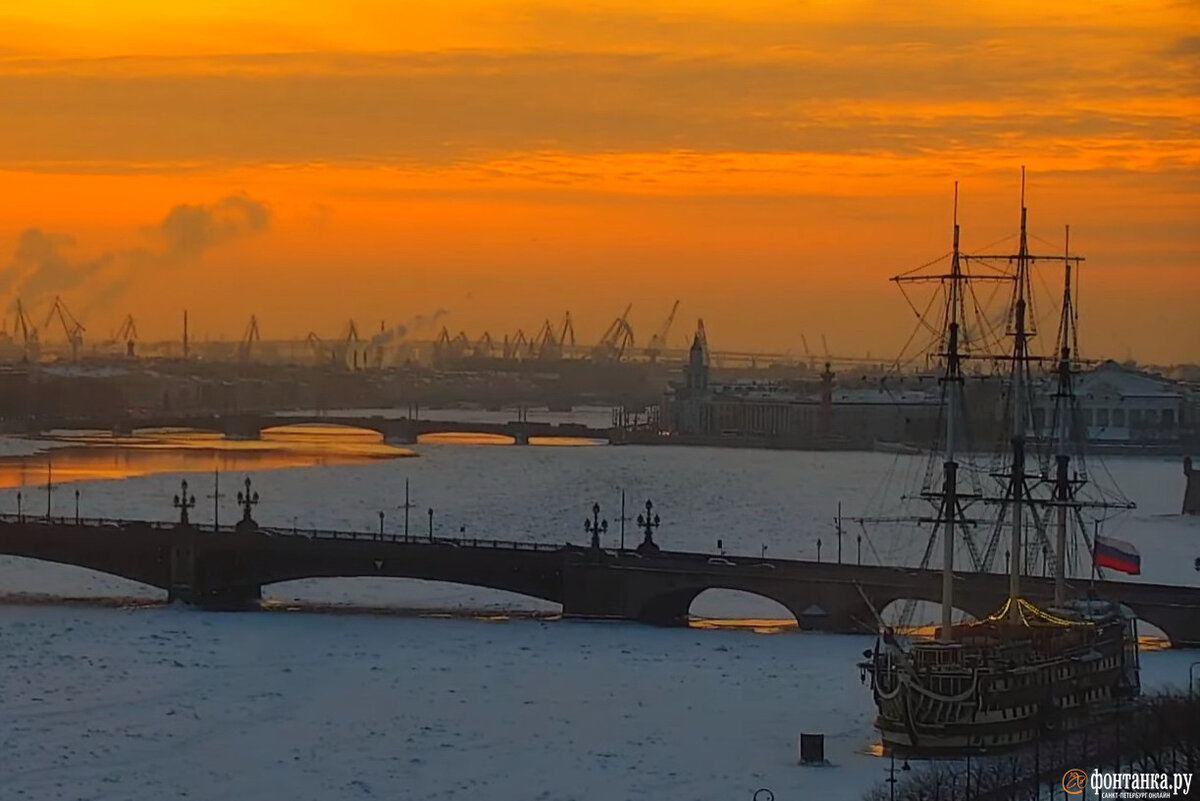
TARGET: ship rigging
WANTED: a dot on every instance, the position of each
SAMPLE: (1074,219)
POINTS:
(1003,680)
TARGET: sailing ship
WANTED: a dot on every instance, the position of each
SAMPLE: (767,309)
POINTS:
(1034,666)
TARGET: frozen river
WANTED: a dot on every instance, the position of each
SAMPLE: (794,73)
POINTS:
(136,701)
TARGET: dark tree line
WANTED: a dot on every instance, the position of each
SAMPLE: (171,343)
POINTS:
(1153,734)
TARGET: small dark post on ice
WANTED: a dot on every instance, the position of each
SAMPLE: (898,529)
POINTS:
(595,526)
(648,523)
(431,524)
(183,502)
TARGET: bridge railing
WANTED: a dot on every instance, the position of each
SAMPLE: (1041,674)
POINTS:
(88,522)
(408,539)
(278,531)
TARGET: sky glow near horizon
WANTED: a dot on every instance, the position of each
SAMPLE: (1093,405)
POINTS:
(770,165)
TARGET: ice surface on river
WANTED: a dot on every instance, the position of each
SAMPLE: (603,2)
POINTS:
(152,702)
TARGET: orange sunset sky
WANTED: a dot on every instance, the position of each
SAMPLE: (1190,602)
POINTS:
(770,164)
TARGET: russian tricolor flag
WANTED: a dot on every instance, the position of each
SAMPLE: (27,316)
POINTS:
(1117,555)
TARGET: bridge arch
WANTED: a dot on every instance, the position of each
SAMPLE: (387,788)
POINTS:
(717,607)
(316,429)
(69,576)
(673,608)
(405,593)
(464,437)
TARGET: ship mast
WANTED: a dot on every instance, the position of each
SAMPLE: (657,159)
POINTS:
(1064,397)
(953,380)
(948,499)
(1020,362)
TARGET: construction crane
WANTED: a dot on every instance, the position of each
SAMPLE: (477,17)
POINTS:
(518,347)
(246,346)
(567,338)
(29,334)
(548,345)
(447,348)
(484,346)
(658,342)
(350,347)
(617,339)
(317,346)
(807,353)
(72,328)
(128,334)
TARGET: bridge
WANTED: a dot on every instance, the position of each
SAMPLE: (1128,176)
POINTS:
(396,430)
(228,567)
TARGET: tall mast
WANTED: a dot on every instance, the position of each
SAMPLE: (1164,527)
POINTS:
(1065,407)
(953,383)
(1019,365)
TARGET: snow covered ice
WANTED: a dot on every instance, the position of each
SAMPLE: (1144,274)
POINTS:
(135,700)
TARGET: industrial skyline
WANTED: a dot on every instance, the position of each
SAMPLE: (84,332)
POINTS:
(770,165)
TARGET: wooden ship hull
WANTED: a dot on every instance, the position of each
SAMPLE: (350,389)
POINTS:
(999,685)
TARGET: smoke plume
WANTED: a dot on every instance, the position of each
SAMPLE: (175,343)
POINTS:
(41,267)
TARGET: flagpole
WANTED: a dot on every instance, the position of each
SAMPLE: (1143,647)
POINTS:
(1095,534)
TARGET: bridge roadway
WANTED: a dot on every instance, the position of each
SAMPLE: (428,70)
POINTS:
(398,430)
(228,568)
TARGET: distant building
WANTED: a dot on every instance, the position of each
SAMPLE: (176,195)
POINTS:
(793,414)
(1122,405)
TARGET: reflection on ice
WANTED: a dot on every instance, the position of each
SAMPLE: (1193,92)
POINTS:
(100,455)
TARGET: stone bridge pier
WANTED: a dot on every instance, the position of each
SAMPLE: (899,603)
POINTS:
(211,575)
(395,431)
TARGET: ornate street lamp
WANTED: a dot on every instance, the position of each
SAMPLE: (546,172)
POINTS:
(183,502)
(247,500)
(595,526)
(647,523)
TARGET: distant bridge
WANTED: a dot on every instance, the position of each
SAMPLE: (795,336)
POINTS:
(397,430)
(228,568)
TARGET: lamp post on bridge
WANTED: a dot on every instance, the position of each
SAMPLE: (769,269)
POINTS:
(247,500)
(77,507)
(49,486)
(838,525)
(431,524)
(407,506)
(381,524)
(624,518)
(20,517)
(648,523)
(183,502)
(217,496)
(595,526)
